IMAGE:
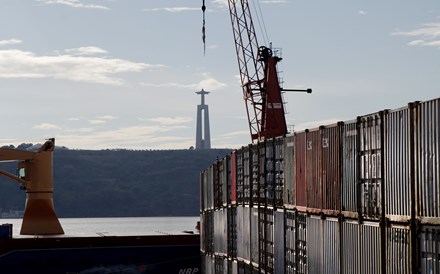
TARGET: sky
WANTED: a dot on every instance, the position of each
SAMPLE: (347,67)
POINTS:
(122,74)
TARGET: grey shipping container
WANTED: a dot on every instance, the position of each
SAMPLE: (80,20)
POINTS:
(279,241)
(427,156)
(371,139)
(331,253)
(301,248)
(397,166)
(370,254)
(429,251)
(239,176)
(290,245)
(314,241)
(398,249)
(254,246)
(289,172)
(270,173)
(349,184)
(255,174)
(279,171)
(350,247)
(300,171)
(247,185)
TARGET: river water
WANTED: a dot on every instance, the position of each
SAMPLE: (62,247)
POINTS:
(118,226)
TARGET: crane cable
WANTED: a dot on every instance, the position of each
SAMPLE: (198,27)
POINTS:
(260,20)
(203,28)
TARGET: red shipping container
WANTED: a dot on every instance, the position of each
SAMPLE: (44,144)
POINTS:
(313,174)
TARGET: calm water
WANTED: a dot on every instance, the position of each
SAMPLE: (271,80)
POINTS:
(118,226)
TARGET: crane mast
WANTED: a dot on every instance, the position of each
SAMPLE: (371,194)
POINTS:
(259,77)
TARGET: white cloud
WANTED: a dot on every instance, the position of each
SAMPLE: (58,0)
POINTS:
(209,84)
(74,4)
(86,51)
(24,64)
(46,126)
(168,120)
(362,12)
(427,35)
(174,9)
(12,41)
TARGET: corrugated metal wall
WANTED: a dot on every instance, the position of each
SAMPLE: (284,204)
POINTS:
(360,196)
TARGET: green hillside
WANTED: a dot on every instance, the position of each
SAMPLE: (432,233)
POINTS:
(119,183)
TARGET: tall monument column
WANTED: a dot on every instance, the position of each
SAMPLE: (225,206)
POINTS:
(203,137)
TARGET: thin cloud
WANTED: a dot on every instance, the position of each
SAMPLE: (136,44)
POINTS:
(86,51)
(168,120)
(174,9)
(10,42)
(362,12)
(315,124)
(428,35)
(46,126)
(24,64)
(209,83)
(73,3)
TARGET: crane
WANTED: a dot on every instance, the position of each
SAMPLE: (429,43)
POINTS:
(35,176)
(259,76)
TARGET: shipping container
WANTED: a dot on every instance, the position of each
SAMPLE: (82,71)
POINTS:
(247,184)
(270,172)
(370,248)
(301,248)
(427,157)
(232,190)
(224,170)
(370,165)
(220,232)
(240,177)
(232,232)
(331,179)
(217,184)
(290,246)
(429,250)
(289,172)
(300,170)
(314,167)
(350,258)
(398,249)
(331,254)
(243,233)
(350,178)
(279,241)
(255,236)
(279,171)
(262,173)
(203,191)
(266,239)
(397,166)
(314,239)
(255,174)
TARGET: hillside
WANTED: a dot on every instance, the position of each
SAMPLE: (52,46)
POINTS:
(110,183)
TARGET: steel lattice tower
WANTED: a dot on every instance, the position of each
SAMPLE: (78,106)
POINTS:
(203,138)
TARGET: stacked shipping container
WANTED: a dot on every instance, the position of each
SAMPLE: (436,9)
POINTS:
(360,196)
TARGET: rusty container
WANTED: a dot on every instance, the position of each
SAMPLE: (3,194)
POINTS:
(314,170)
(331,164)
(349,182)
(289,172)
(370,165)
(300,170)
(427,160)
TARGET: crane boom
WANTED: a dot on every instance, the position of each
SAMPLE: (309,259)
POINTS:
(258,75)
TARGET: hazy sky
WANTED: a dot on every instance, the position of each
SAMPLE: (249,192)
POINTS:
(99,74)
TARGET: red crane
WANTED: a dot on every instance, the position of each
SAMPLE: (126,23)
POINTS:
(259,76)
